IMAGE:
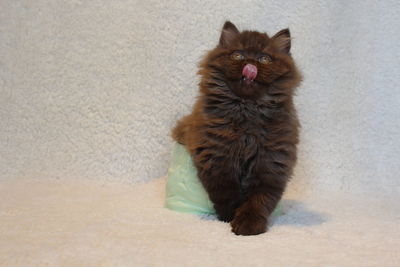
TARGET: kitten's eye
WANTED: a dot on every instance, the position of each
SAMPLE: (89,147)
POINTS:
(237,56)
(265,60)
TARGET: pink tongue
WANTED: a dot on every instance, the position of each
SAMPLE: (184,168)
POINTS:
(249,71)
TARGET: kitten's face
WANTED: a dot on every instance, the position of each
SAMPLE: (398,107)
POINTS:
(251,63)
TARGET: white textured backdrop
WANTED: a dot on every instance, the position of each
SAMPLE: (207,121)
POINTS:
(90,89)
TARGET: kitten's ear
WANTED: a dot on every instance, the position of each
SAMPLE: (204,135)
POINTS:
(229,33)
(282,40)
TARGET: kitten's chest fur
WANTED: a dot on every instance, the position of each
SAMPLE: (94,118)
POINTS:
(245,121)
(241,131)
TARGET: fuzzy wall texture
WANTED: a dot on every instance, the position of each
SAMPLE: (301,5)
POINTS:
(90,89)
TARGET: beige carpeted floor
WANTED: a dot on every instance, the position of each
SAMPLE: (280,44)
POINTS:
(89,223)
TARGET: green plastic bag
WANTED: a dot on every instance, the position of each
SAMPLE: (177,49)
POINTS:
(184,191)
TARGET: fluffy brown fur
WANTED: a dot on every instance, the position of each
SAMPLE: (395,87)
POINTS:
(243,134)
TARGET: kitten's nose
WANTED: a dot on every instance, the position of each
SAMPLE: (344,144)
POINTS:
(249,71)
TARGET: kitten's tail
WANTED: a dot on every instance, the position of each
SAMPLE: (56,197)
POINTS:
(181,127)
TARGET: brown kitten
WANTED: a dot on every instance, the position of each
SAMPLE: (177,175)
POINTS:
(243,131)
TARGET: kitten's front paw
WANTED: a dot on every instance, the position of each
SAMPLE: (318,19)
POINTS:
(248,224)
(225,215)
